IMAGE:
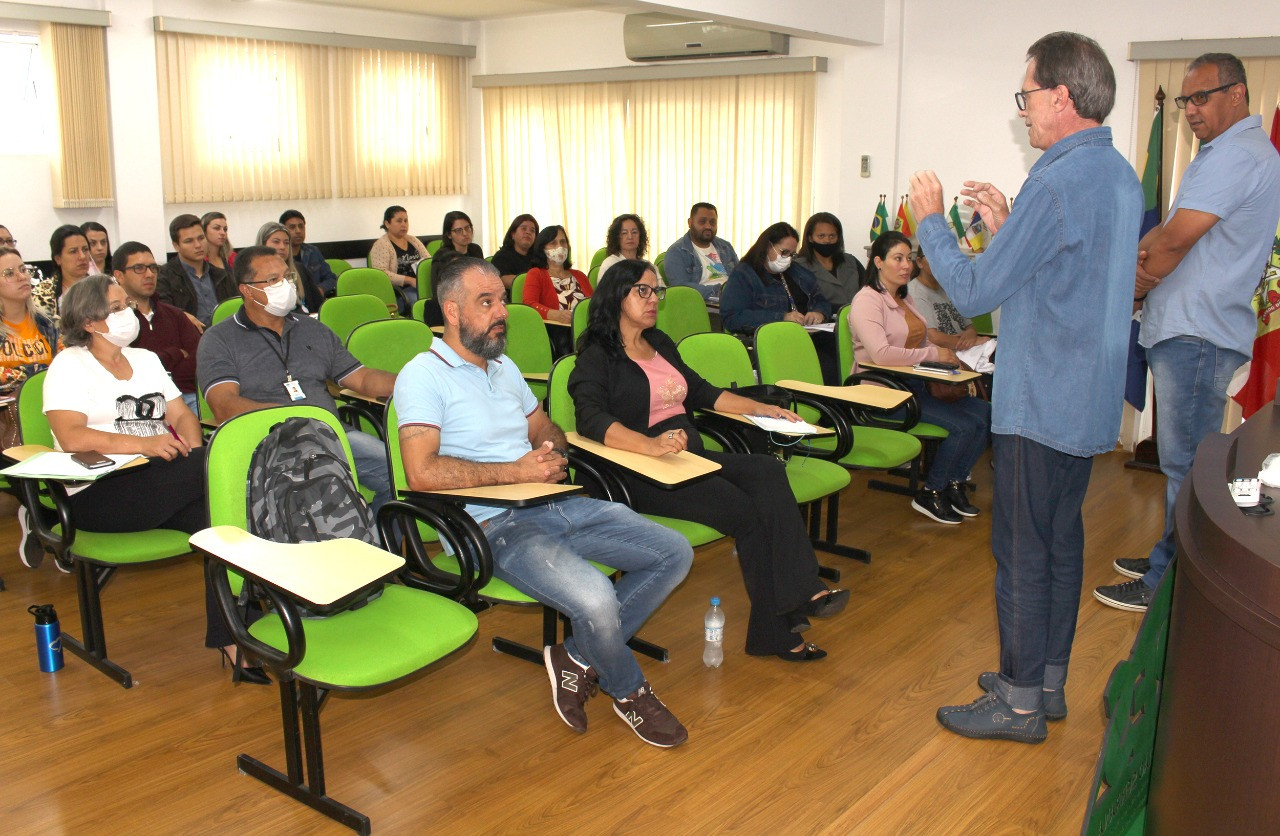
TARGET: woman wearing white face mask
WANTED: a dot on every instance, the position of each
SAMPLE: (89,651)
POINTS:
(552,287)
(100,395)
(768,286)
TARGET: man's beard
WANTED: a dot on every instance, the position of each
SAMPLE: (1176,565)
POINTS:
(483,345)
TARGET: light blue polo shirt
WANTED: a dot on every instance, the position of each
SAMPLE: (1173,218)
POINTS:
(1209,294)
(483,416)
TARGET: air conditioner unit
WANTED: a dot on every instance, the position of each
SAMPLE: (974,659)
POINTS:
(660,37)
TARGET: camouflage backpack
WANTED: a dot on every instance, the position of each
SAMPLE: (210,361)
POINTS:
(301,490)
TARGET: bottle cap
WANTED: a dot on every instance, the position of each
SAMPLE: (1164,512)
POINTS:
(715,602)
(44,613)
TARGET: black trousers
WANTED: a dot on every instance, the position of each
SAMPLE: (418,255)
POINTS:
(750,500)
(159,495)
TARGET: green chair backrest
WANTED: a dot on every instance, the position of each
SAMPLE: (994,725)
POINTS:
(721,359)
(343,313)
(388,344)
(682,313)
(338,265)
(399,482)
(658,262)
(432,246)
(367,280)
(417,312)
(424,278)
(226,308)
(517,289)
(593,275)
(33,426)
(844,342)
(528,345)
(560,404)
(599,256)
(784,351)
(983,324)
(231,450)
(581,313)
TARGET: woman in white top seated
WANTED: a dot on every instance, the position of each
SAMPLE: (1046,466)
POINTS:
(100,395)
(626,239)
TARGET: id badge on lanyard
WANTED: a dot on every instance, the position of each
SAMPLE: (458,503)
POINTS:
(294,389)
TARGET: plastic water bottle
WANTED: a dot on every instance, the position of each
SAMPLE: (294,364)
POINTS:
(48,637)
(713,623)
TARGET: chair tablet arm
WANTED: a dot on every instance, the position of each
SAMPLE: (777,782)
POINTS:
(877,418)
(350,413)
(456,527)
(281,662)
(724,431)
(833,413)
(604,473)
(29,494)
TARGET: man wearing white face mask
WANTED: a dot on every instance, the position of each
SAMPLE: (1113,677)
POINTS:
(265,355)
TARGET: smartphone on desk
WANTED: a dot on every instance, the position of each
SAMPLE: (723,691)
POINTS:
(937,365)
(91,459)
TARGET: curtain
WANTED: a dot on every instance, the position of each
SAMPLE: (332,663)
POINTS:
(242,119)
(581,154)
(400,123)
(75,59)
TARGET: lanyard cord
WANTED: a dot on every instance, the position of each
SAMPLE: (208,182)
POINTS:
(284,357)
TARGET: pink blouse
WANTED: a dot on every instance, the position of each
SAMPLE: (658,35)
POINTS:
(879,329)
(667,389)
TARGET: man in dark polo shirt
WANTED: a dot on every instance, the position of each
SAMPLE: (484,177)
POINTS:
(189,282)
(162,328)
(265,355)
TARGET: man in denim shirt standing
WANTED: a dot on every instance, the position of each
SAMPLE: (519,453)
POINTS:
(1197,272)
(1061,270)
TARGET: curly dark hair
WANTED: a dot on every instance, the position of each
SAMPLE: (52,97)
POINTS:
(614,235)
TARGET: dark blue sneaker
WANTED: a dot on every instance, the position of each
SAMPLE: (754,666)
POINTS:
(990,718)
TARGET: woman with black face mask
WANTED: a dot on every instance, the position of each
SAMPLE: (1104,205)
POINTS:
(839,274)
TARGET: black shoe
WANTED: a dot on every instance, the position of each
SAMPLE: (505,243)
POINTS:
(808,653)
(833,603)
(957,493)
(253,676)
(1132,567)
(1134,596)
(936,507)
(30,550)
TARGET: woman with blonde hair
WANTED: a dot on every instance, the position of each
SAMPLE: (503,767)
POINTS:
(218,251)
(277,237)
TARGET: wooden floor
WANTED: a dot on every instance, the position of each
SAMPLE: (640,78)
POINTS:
(846,745)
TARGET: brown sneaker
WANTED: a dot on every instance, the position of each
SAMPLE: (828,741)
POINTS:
(571,686)
(650,719)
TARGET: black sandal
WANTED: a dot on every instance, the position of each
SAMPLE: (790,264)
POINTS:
(809,653)
(833,603)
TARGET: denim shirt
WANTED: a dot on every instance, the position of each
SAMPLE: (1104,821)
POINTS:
(683,265)
(749,301)
(1061,270)
(318,269)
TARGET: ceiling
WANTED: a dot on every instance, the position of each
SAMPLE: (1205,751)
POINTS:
(473,9)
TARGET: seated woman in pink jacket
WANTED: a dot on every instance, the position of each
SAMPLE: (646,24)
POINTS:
(888,330)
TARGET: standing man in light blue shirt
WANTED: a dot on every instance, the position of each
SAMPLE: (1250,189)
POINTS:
(1060,268)
(1196,276)
(467,418)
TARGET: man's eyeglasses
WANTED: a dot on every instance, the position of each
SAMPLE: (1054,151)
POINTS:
(460,230)
(644,291)
(1020,97)
(8,242)
(1201,97)
(272,281)
(143,269)
(11,274)
(123,306)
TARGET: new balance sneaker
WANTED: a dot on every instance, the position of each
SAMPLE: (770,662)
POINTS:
(957,495)
(652,721)
(990,718)
(1134,596)
(936,507)
(1055,702)
(1132,567)
(571,686)
(30,550)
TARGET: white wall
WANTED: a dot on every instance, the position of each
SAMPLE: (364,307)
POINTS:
(140,212)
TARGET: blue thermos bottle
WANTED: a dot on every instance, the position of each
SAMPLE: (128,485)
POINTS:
(48,637)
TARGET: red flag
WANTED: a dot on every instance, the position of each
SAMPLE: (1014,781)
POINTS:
(1260,388)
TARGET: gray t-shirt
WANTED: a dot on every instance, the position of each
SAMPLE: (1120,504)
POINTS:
(936,309)
(236,350)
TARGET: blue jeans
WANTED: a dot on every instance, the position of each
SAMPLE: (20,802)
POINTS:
(543,552)
(1191,378)
(968,424)
(1037,537)
(372,469)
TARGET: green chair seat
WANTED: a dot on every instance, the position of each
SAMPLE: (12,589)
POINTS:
(924,429)
(403,632)
(696,533)
(876,448)
(813,479)
(135,547)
